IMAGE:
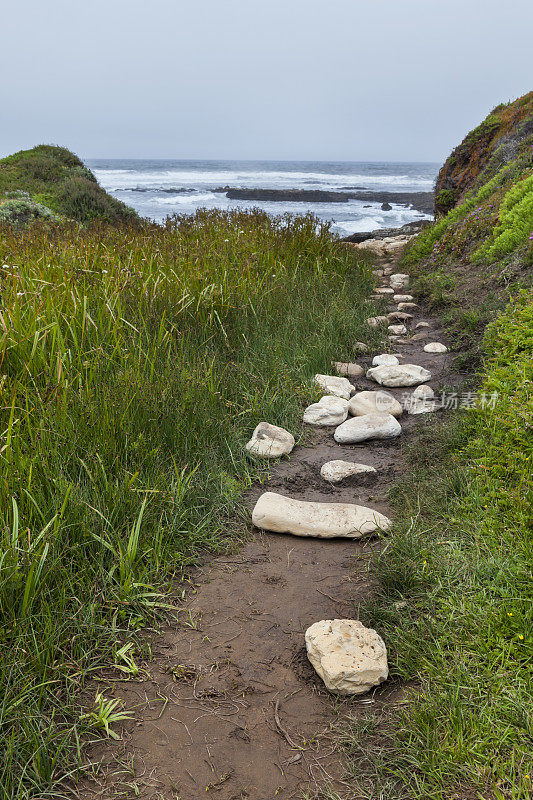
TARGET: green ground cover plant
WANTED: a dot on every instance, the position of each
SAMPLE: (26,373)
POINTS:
(135,364)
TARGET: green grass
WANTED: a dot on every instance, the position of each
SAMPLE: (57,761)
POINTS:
(454,602)
(134,367)
(57,179)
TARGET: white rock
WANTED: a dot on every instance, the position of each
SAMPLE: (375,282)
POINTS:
(420,404)
(269,441)
(360,347)
(329,410)
(384,290)
(378,273)
(347,369)
(367,426)
(397,330)
(378,402)
(435,347)
(336,471)
(399,375)
(422,324)
(407,306)
(340,387)
(403,298)
(399,316)
(384,358)
(349,658)
(399,281)
(279,514)
(423,392)
(374,322)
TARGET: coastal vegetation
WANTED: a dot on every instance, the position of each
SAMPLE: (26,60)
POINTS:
(454,598)
(53,178)
(136,361)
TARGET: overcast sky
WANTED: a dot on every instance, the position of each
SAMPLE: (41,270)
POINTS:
(282,79)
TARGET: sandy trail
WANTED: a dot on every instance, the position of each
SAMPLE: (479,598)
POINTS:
(232,706)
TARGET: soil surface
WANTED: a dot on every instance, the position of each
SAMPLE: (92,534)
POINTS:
(231,706)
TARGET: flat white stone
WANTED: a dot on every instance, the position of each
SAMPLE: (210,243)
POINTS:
(399,281)
(269,441)
(407,306)
(397,330)
(403,298)
(279,514)
(374,322)
(378,273)
(435,347)
(367,426)
(348,369)
(399,316)
(377,402)
(384,358)
(422,324)
(332,384)
(383,290)
(338,470)
(399,375)
(349,658)
(329,410)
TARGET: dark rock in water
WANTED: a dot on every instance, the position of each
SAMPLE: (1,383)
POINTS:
(386,207)
(369,206)
(421,201)
(384,233)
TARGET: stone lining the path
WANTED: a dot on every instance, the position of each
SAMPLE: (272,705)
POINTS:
(278,514)
(269,441)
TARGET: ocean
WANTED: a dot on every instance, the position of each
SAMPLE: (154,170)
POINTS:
(157,188)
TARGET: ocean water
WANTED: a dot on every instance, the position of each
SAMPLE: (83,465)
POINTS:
(157,188)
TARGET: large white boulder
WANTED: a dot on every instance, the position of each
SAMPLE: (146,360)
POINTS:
(269,441)
(338,470)
(348,369)
(374,403)
(384,358)
(349,658)
(399,375)
(435,347)
(399,281)
(329,410)
(368,426)
(333,385)
(279,514)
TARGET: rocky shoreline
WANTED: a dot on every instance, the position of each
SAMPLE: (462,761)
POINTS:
(420,201)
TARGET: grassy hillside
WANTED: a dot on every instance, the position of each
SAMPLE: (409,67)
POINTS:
(455,597)
(135,365)
(54,178)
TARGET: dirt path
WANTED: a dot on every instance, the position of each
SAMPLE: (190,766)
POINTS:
(232,706)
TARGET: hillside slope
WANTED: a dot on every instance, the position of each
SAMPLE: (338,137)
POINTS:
(53,178)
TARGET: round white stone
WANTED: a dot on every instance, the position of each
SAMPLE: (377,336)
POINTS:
(403,298)
(279,514)
(338,470)
(399,375)
(384,358)
(349,658)
(332,384)
(435,347)
(399,281)
(269,441)
(329,410)
(349,370)
(397,330)
(367,426)
(378,402)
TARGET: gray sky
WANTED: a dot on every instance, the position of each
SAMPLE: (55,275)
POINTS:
(282,79)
